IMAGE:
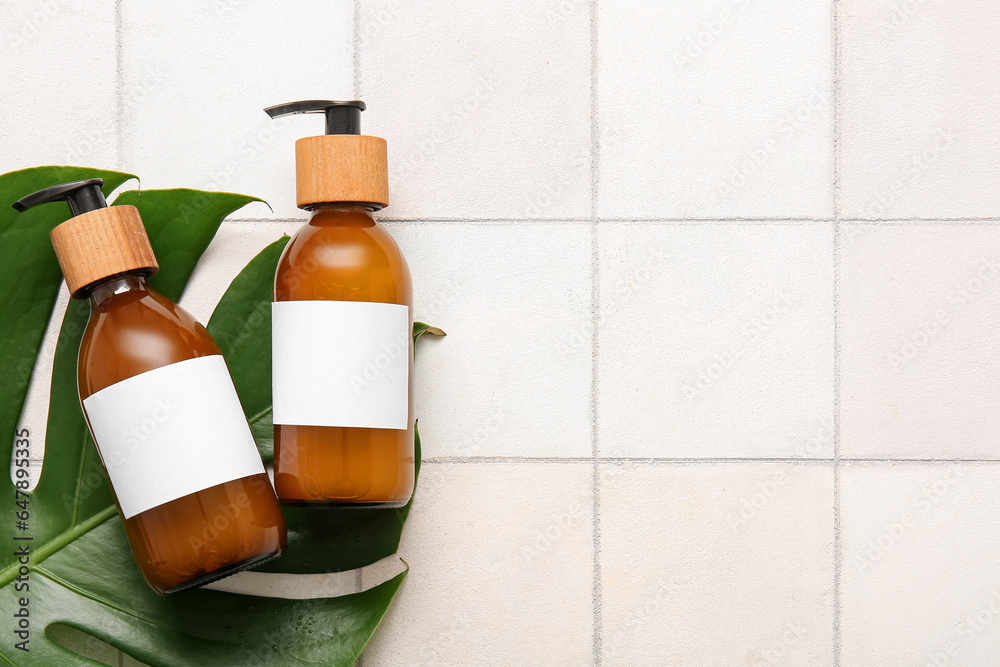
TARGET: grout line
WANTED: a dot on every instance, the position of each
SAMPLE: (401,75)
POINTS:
(357,51)
(862,461)
(620,459)
(595,305)
(119,89)
(837,210)
(695,219)
(911,221)
(658,221)
(658,460)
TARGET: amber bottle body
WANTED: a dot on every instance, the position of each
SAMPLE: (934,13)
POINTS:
(205,535)
(343,255)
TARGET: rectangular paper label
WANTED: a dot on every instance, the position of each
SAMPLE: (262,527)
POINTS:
(170,432)
(341,363)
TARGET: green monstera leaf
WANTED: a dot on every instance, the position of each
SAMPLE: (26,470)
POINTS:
(69,563)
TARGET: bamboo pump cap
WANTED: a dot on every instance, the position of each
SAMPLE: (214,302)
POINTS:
(97,242)
(342,166)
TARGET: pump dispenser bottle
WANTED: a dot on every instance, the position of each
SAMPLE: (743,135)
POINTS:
(342,322)
(176,448)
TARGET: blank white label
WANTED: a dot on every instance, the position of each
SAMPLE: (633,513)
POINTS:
(170,432)
(341,363)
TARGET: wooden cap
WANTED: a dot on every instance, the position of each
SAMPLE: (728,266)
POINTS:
(102,243)
(341,168)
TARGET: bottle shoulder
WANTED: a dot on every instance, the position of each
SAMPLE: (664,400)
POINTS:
(136,334)
(349,263)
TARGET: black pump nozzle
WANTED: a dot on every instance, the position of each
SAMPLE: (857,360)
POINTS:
(82,196)
(341,117)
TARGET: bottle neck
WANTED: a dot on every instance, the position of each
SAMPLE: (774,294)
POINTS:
(342,214)
(102,292)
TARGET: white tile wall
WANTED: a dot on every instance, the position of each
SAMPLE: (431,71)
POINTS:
(513,377)
(716,564)
(486,105)
(505,577)
(715,340)
(920,356)
(920,583)
(715,109)
(58,91)
(692,373)
(192,110)
(919,130)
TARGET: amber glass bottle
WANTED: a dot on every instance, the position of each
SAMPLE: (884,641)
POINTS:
(342,322)
(189,484)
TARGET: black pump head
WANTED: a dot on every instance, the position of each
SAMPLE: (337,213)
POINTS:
(82,196)
(341,117)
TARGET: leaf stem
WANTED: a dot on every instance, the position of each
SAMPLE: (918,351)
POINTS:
(58,542)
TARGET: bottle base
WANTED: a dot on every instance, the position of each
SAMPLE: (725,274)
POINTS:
(222,572)
(341,504)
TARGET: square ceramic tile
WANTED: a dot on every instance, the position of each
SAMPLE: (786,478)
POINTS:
(920,84)
(486,106)
(58,63)
(716,340)
(716,564)
(920,581)
(495,578)
(718,108)
(513,376)
(197,76)
(920,356)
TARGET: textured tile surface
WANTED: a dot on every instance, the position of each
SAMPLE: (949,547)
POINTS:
(486,106)
(58,82)
(715,109)
(513,376)
(717,565)
(197,76)
(920,583)
(919,85)
(504,578)
(716,340)
(920,356)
